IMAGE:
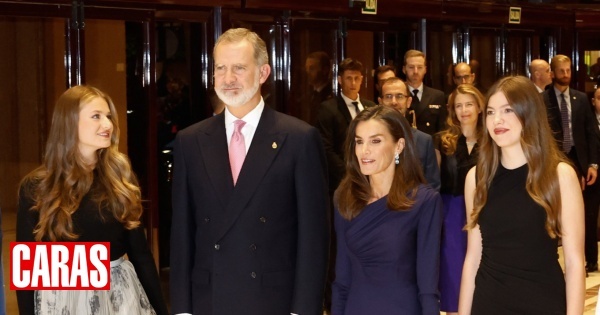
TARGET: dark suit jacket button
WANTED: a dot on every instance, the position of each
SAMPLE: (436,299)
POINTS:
(253,247)
(263,219)
(253,275)
(217,246)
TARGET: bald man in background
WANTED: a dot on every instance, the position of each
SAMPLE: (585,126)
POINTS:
(539,70)
(463,74)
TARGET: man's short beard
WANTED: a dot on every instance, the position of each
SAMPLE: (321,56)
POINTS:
(241,98)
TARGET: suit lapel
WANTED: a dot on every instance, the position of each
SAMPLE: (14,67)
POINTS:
(555,110)
(266,144)
(215,154)
(343,108)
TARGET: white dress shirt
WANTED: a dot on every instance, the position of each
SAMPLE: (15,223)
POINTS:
(251,119)
(420,88)
(350,106)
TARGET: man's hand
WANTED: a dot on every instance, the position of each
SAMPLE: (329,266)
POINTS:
(592,174)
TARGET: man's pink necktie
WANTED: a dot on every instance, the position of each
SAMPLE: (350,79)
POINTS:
(237,149)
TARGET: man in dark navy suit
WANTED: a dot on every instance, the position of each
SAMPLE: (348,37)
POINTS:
(250,228)
(428,103)
(394,93)
(575,129)
(318,72)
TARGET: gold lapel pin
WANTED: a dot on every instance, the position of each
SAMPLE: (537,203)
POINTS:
(274,145)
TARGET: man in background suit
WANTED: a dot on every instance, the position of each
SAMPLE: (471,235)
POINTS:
(333,119)
(381,74)
(336,113)
(318,71)
(539,71)
(250,200)
(394,93)
(428,103)
(574,126)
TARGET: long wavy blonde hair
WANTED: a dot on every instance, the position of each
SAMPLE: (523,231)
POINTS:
(539,146)
(59,184)
(449,136)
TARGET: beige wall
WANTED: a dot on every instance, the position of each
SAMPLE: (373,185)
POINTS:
(359,45)
(105,65)
(32,77)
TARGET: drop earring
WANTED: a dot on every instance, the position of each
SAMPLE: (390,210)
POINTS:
(397,158)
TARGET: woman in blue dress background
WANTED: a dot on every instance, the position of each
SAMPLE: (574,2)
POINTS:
(387,222)
(458,148)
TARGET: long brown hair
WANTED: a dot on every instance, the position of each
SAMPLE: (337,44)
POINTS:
(354,191)
(59,184)
(542,180)
(449,136)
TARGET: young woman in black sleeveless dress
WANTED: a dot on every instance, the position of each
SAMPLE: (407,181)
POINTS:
(520,198)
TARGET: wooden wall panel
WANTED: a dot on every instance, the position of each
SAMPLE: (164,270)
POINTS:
(105,66)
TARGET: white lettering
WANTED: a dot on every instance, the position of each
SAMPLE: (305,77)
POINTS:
(20,279)
(79,268)
(98,277)
(40,267)
(60,257)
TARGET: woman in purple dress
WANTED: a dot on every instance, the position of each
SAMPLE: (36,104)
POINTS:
(458,147)
(387,221)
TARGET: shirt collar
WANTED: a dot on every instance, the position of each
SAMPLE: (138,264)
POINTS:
(348,100)
(411,88)
(558,92)
(251,118)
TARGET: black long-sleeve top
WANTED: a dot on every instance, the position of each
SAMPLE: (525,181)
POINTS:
(94,225)
(454,167)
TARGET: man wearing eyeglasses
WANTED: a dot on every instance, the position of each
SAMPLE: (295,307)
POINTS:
(428,103)
(463,74)
(394,93)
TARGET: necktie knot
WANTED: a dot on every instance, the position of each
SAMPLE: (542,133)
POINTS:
(238,125)
(237,149)
(415,99)
(356,107)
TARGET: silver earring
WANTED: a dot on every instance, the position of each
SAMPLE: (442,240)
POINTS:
(397,158)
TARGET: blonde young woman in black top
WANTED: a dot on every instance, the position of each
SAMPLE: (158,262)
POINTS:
(86,191)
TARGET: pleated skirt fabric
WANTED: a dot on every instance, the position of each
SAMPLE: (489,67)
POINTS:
(125,297)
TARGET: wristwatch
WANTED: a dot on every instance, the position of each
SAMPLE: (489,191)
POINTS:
(594,166)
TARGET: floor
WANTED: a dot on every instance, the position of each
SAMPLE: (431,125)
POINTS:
(8,230)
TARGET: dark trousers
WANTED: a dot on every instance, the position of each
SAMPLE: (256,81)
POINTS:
(591,199)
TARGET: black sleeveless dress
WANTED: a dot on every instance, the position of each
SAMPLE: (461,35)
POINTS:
(519,271)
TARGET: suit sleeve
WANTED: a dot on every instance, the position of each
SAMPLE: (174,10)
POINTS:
(591,131)
(326,125)
(143,262)
(343,275)
(313,225)
(432,169)
(182,237)
(26,222)
(429,231)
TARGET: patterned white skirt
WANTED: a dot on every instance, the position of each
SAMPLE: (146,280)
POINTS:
(125,297)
